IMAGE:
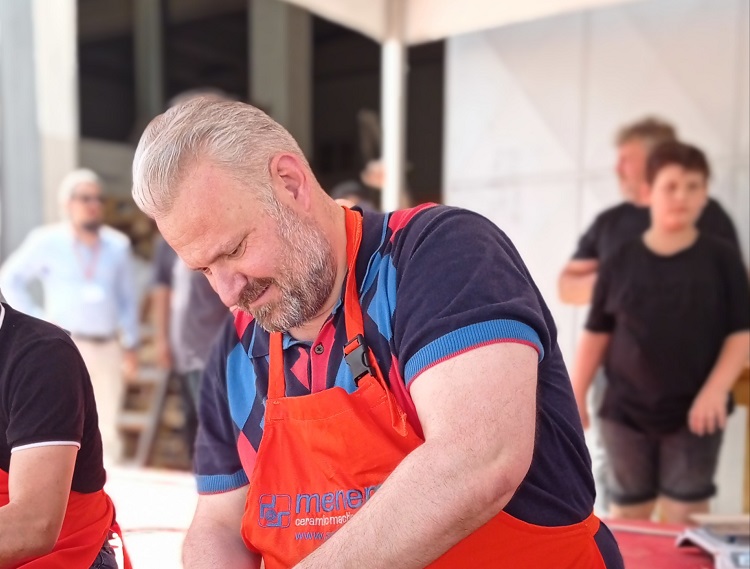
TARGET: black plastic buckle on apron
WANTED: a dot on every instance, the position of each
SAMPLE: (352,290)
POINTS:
(357,358)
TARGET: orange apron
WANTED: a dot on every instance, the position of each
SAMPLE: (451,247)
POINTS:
(323,455)
(88,520)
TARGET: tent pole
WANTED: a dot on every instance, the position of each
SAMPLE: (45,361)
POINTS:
(393,103)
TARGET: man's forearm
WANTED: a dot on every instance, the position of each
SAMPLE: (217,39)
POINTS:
(209,547)
(426,506)
(577,288)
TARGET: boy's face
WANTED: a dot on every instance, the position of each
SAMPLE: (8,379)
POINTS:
(678,197)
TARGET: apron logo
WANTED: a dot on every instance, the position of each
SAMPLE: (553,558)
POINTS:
(313,509)
(275,511)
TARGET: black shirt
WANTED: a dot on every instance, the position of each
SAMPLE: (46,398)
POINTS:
(619,224)
(669,317)
(46,396)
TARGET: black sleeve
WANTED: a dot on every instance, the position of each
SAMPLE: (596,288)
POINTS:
(599,318)
(588,244)
(738,292)
(46,395)
(715,221)
(164,260)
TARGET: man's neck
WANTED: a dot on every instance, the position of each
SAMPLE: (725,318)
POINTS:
(310,329)
(86,236)
(665,242)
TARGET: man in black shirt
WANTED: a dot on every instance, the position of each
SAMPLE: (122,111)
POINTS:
(53,510)
(670,319)
(628,220)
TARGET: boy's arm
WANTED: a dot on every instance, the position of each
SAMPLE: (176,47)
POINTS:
(709,410)
(589,356)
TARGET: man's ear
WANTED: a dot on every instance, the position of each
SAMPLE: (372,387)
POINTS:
(290,179)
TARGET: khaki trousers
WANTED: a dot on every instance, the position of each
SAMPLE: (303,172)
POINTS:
(104,362)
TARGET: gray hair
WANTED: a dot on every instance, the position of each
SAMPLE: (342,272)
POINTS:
(74,179)
(234,136)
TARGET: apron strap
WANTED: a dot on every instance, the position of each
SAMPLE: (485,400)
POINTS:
(358,355)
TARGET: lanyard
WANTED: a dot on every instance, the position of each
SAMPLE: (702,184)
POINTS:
(89,268)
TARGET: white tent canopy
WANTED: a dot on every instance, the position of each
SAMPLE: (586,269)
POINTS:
(399,23)
(431,20)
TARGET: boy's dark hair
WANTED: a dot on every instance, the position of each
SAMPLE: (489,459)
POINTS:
(650,130)
(689,157)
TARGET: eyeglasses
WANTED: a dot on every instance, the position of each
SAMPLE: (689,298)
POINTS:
(88,199)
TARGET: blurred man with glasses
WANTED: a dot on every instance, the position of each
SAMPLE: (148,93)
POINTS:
(85,271)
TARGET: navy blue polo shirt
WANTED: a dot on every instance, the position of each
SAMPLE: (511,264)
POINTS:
(434,282)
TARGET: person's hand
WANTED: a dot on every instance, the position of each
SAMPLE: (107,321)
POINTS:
(163,355)
(130,365)
(708,412)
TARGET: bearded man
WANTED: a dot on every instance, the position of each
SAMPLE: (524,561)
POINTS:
(86,275)
(390,393)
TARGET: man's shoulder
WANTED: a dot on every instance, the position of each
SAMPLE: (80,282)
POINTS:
(615,213)
(410,227)
(114,237)
(48,233)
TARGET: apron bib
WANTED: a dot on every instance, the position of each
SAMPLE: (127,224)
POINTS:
(88,520)
(323,455)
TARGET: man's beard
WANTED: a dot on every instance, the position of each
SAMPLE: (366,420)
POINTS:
(91,226)
(307,275)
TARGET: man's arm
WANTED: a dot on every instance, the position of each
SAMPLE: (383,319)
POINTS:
(577,281)
(709,410)
(478,412)
(22,268)
(589,356)
(128,316)
(39,488)
(213,539)
(160,303)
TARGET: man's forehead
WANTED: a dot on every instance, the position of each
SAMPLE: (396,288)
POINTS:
(87,187)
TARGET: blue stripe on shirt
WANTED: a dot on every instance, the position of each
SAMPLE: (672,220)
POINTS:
(217,483)
(469,337)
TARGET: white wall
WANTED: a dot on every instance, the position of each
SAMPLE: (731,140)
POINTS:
(532,109)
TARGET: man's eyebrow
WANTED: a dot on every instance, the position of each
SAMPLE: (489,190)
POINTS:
(226,247)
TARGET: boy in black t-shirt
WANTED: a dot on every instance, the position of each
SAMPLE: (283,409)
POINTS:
(670,319)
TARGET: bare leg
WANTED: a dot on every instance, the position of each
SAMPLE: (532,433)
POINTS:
(674,512)
(640,511)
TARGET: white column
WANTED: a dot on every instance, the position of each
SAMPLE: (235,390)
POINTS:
(393,105)
(20,184)
(281,66)
(56,68)
(149,59)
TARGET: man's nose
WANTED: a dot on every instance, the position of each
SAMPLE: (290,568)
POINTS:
(228,285)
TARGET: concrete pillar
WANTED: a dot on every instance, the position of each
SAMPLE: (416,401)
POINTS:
(20,160)
(281,65)
(393,106)
(56,67)
(148,27)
